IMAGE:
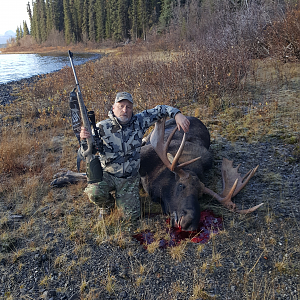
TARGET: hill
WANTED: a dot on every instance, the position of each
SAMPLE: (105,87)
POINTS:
(4,37)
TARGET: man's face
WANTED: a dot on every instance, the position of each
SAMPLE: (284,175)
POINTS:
(123,111)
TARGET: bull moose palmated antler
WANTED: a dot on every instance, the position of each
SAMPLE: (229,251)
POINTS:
(232,184)
(161,148)
(232,180)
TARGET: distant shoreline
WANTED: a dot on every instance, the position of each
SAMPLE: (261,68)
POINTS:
(55,50)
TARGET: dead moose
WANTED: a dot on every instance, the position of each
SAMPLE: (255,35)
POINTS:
(172,167)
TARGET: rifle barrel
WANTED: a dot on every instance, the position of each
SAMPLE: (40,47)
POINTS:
(85,120)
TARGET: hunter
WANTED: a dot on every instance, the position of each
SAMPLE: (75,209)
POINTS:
(121,137)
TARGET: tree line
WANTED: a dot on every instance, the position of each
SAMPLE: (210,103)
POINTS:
(95,20)
(215,24)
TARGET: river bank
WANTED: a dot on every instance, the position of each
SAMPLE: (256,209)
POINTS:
(8,90)
(39,49)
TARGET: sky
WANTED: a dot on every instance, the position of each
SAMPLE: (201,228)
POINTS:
(12,14)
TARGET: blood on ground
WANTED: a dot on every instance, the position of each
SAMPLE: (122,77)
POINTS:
(208,224)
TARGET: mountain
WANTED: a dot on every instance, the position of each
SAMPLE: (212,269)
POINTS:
(8,34)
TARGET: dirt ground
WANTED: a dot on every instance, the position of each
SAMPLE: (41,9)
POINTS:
(255,257)
(67,253)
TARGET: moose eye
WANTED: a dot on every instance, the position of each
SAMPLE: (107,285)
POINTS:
(180,187)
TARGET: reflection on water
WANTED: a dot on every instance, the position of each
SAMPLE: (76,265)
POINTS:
(19,66)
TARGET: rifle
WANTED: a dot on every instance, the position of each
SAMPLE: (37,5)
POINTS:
(94,169)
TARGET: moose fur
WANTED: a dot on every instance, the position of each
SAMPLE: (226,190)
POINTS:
(178,196)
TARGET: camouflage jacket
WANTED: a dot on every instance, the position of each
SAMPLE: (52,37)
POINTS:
(120,155)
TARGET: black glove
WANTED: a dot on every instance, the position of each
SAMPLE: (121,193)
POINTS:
(94,171)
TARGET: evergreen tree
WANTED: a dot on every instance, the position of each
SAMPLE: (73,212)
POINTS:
(78,6)
(166,13)
(85,21)
(35,29)
(108,23)
(18,34)
(96,20)
(100,20)
(49,17)
(42,21)
(92,19)
(114,25)
(134,19)
(123,23)
(143,16)
(29,15)
(58,14)
(25,29)
(67,22)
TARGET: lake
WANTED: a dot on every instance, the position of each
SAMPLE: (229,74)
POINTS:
(18,66)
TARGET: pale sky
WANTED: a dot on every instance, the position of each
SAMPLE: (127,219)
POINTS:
(12,14)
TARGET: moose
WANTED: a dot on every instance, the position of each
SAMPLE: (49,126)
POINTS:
(174,177)
(173,163)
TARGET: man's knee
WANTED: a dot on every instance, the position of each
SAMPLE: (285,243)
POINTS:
(128,198)
(130,204)
(97,195)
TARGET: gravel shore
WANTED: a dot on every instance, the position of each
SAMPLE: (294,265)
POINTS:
(8,89)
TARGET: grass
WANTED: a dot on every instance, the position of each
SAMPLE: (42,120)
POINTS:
(37,141)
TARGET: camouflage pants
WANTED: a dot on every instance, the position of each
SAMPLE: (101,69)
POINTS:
(126,194)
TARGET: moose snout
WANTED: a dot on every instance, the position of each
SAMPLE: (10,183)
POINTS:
(187,220)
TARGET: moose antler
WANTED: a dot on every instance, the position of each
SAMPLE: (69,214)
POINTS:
(161,148)
(232,184)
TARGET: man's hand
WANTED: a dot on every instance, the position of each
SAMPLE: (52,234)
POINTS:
(182,122)
(84,134)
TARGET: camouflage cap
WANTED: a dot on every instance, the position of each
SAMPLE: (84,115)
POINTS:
(123,96)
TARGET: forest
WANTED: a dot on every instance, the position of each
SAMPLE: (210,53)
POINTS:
(223,23)
(95,20)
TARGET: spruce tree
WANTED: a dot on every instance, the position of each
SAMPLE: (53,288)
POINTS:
(108,23)
(35,29)
(143,16)
(134,19)
(43,21)
(67,22)
(92,19)
(123,24)
(100,20)
(58,13)
(30,16)
(166,13)
(114,20)
(78,10)
(85,21)
(18,34)
(49,17)
(25,29)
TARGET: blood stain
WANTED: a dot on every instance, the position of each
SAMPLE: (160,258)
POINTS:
(208,224)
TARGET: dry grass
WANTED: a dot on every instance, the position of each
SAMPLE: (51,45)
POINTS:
(37,141)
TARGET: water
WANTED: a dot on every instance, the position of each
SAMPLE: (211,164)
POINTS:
(18,66)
